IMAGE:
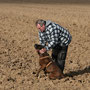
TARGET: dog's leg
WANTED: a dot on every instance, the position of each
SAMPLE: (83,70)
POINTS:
(40,69)
(54,76)
(51,76)
(62,75)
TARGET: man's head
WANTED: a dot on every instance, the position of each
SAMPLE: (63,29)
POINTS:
(40,24)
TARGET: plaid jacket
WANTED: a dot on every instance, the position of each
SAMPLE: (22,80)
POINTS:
(54,34)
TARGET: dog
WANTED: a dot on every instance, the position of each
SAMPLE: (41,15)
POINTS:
(48,65)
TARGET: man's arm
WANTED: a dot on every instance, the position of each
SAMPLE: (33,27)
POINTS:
(53,40)
(42,42)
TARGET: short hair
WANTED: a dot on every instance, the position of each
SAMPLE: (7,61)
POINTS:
(40,22)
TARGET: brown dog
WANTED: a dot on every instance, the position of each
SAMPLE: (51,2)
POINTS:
(47,64)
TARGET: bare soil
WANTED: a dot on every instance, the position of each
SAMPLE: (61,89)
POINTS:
(18,58)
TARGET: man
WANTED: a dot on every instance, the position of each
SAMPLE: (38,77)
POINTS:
(53,36)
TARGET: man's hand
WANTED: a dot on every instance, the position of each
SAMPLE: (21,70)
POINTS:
(42,50)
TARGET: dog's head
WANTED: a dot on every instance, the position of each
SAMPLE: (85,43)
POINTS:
(39,47)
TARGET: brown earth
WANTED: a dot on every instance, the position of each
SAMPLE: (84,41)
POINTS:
(18,58)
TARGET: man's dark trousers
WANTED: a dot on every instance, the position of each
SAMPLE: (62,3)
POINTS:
(59,55)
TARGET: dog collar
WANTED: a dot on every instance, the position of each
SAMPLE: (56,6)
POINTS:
(44,57)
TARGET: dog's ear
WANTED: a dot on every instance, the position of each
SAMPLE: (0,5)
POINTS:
(35,45)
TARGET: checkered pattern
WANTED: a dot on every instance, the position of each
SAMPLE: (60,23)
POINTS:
(54,34)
